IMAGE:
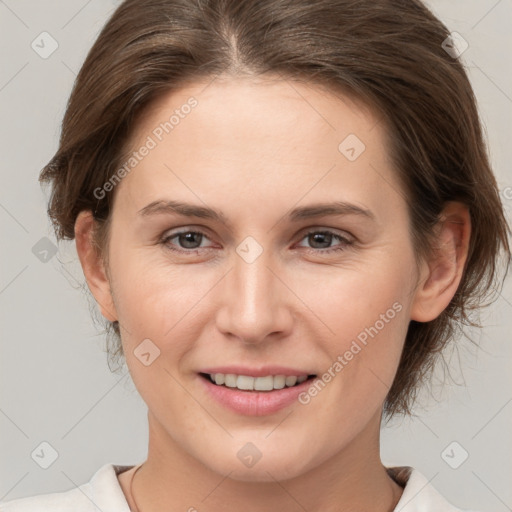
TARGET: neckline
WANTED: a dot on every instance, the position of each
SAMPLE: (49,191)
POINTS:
(399,474)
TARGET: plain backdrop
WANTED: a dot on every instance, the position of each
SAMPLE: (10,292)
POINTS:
(56,387)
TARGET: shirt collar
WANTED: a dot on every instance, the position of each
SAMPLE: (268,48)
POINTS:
(418,496)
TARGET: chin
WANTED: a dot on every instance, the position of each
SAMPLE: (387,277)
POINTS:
(266,469)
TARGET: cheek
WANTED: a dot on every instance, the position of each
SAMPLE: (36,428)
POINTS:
(350,302)
(367,316)
(158,300)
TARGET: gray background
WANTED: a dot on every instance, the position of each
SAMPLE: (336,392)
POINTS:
(55,382)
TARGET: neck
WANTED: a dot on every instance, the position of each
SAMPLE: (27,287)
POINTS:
(353,479)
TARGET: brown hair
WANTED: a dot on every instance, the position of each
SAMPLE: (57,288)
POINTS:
(387,53)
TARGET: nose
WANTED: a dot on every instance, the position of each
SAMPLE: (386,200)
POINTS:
(255,301)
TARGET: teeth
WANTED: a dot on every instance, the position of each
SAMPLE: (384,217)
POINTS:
(290,381)
(229,380)
(247,383)
(243,382)
(279,382)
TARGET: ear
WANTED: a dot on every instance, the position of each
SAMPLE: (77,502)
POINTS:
(93,265)
(441,276)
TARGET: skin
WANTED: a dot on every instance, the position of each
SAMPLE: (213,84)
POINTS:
(254,149)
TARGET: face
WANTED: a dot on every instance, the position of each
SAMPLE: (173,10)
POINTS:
(273,284)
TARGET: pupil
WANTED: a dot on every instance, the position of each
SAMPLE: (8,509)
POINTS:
(321,235)
(188,238)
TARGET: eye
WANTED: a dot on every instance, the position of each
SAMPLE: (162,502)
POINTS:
(325,238)
(189,241)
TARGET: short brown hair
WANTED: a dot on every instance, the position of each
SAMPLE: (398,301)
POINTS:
(387,53)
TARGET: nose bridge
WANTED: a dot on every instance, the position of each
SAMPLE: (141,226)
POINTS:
(253,306)
(254,282)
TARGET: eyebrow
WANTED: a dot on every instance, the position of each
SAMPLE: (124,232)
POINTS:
(338,208)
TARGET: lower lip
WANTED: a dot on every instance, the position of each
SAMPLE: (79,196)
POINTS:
(255,403)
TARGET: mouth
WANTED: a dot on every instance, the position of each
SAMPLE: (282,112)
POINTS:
(230,391)
(267,384)
(255,391)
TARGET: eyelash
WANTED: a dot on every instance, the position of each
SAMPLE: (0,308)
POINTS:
(345,241)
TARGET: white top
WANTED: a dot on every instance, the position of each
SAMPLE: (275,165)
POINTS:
(103,492)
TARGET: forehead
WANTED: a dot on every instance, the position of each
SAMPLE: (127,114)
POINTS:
(254,137)
(259,106)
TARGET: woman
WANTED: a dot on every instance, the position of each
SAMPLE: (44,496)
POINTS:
(283,209)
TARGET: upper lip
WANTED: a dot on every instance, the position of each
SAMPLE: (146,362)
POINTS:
(261,371)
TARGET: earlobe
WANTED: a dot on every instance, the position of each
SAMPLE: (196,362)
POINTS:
(442,275)
(93,265)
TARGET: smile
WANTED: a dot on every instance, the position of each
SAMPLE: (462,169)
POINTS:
(248,383)
(243,394)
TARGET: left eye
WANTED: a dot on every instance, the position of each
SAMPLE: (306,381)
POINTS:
(327,237)
(189,240)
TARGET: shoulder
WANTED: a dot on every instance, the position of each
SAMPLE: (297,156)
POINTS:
(419,494)
(54,502)
(102,492)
